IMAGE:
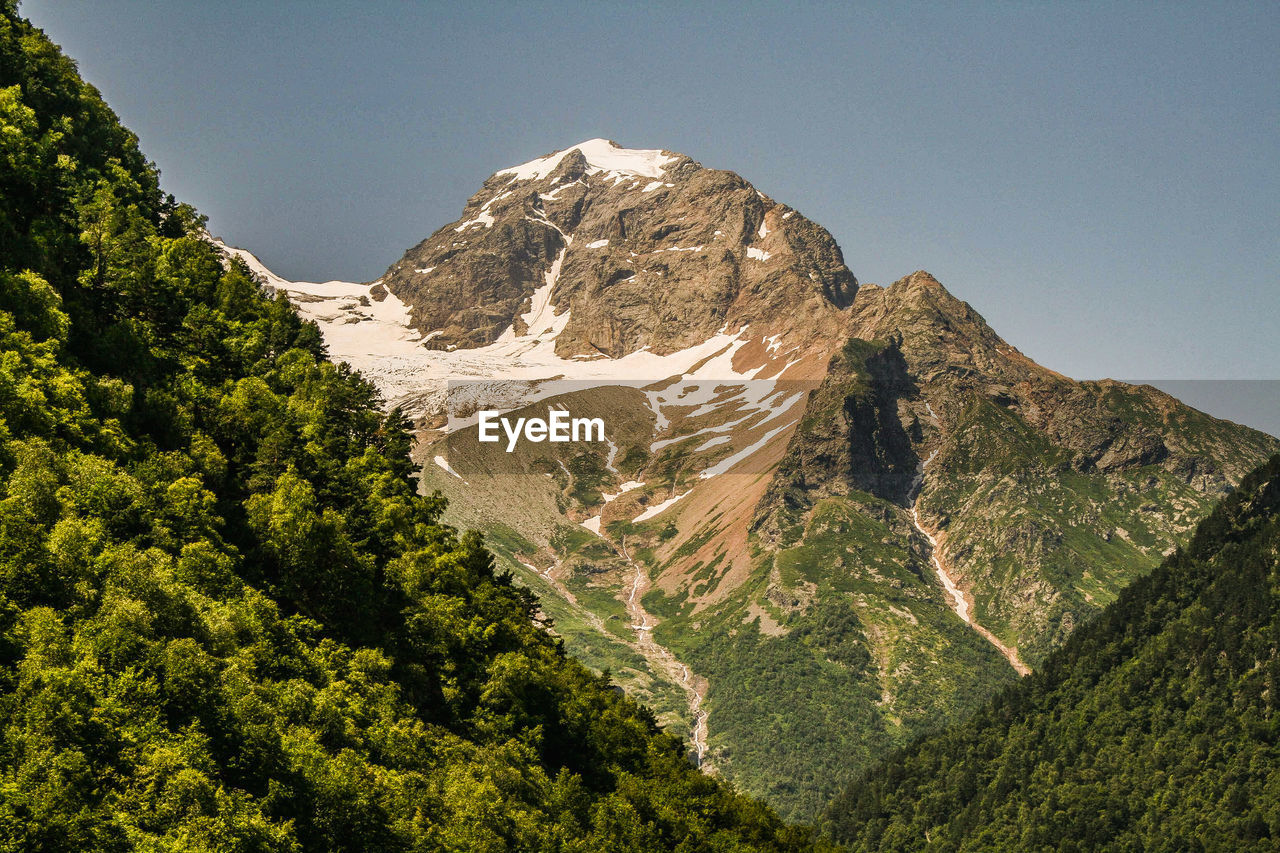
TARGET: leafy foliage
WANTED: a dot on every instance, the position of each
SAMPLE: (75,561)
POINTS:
(1154,728)
(227,620)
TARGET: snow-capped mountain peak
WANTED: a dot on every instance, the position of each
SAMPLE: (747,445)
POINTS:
(602,155)
(603,277)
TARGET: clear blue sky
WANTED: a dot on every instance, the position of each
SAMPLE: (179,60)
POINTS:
(1102,182)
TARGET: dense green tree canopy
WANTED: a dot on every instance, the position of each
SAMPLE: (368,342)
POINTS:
(227,620)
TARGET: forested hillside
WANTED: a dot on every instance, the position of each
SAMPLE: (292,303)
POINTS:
(1154,728)
(227,621)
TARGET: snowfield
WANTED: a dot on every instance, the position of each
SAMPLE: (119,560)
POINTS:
(374,336)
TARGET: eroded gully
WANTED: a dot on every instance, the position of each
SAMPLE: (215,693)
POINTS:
(662,659)
(960,601)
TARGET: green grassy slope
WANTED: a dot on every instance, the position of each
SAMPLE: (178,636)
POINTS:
(841,645)
(1155,727)
(1043,542)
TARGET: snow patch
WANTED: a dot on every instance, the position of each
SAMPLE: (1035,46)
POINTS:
(725,427)
(711,442)
(555,194)
(444,463)
(482,218)
(958,602)
(729,461)
(541,318)
(629,486)
(758,254)
(597,244)
(657,509)
(612,457)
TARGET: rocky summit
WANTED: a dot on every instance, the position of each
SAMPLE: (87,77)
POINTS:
(825,519)
(641,249)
